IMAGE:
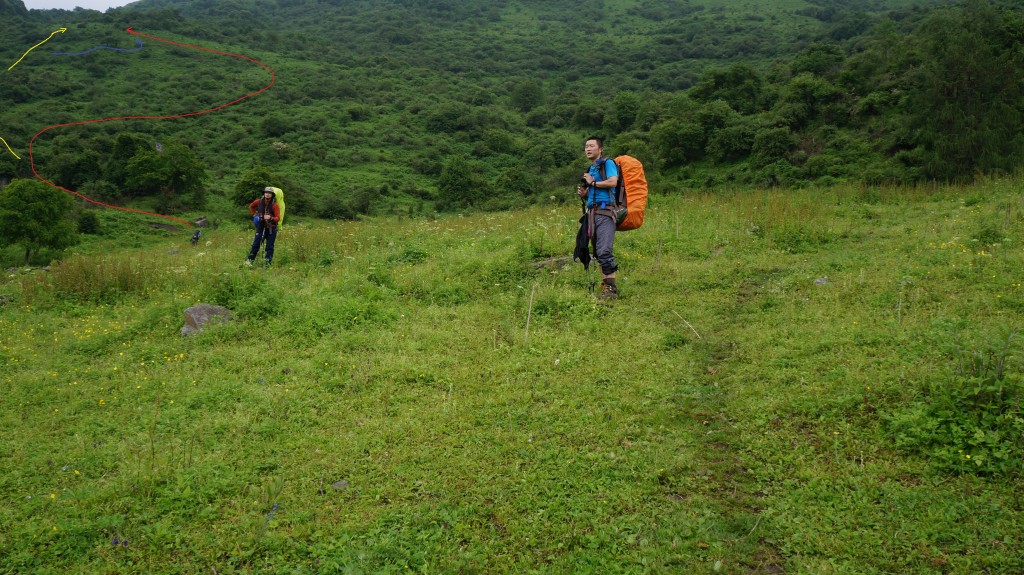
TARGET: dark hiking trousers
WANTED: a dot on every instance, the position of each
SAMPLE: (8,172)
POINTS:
(267,232)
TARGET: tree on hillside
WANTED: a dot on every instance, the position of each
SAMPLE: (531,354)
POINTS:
(12,8)
(457,188)
(126,146)
(624,112)
(809,99)
(72,170)
(172,169)
(36,216)
(527,95)
(819,59)
(969,99)
(771,145)
(676,136)
(738,85)
(399,84)
(8,169)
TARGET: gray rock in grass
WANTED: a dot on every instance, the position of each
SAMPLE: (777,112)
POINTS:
(200,315)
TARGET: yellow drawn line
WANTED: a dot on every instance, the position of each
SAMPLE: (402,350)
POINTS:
(59,31)
(9,148)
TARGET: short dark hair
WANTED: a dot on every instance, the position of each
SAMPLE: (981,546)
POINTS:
(600,142)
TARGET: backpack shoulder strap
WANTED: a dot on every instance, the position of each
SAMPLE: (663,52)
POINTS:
(619,196)
(620,187)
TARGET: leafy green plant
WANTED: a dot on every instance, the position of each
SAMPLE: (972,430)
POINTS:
(250,295)
(972,421)
(988,234)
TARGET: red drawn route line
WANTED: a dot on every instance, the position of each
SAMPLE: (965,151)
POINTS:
(121,118)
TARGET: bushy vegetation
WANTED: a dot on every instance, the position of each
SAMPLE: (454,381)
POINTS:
(384,107)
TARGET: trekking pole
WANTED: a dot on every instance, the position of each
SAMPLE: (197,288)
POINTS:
(266,238)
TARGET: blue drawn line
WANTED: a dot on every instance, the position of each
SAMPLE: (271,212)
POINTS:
(138,46)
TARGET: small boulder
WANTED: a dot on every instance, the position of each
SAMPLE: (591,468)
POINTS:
(553,264)
(199,315)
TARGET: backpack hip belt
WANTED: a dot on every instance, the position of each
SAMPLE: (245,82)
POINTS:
(592,214)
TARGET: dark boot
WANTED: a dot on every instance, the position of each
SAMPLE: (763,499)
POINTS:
(608,291)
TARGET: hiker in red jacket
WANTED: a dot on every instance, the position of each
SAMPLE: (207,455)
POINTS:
(265,215)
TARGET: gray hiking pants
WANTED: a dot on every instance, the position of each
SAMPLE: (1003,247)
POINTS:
(604,241)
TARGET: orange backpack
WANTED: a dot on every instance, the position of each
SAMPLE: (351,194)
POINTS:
(630,193)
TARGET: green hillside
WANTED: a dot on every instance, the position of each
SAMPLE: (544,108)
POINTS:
(378,104)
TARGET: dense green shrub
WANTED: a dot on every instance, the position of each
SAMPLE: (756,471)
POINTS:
(771,145)
(88,222)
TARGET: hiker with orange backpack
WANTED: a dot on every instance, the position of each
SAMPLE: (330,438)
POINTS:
(597,188)
(266,213)
(614,195)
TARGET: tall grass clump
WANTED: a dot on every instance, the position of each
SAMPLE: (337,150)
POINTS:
(94,279)
(794,221)
(316,246)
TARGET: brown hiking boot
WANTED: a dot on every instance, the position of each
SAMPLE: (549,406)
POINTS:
(608,291)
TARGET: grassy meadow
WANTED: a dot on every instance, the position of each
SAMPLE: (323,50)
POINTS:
(809,381)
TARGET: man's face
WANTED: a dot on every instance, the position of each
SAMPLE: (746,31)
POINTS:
(592,150)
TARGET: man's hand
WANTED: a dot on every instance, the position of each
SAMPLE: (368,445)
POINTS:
(581,190)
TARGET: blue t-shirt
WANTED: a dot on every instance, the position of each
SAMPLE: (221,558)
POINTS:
(597,196)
